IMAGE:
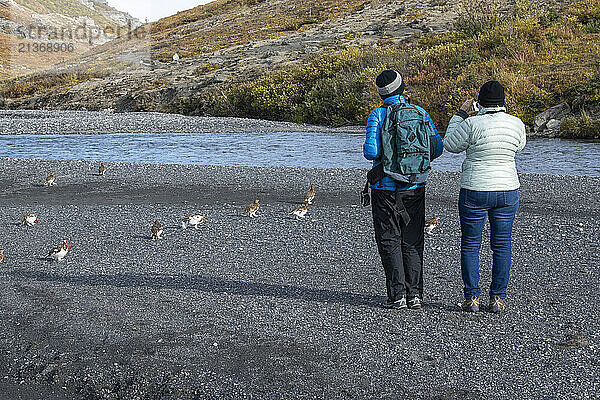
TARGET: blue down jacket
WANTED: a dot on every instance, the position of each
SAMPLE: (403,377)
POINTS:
(372,146)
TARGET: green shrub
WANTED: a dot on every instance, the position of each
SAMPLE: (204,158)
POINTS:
(212,101)
(23,87)
(334,101)
(293,94)
(582,127)
(479,16)
(549,17)
(295,24)
(541,56)
(592,26)
(533,104)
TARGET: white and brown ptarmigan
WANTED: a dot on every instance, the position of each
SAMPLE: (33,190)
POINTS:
(58,253)
(50,179)
(101,169)
(310,195)
(300,211)
(192,220)
(1,255)
(252,209)
(430,225)
(30,219)
(157,230)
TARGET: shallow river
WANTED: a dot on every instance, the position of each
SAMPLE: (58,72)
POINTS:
(313,150)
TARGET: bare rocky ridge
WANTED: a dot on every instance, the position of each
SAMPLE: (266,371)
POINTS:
(83,23)
(149,84)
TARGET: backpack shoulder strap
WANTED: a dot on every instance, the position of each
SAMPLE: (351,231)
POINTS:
(420,111)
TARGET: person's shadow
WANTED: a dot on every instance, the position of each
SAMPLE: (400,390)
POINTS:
(207,284)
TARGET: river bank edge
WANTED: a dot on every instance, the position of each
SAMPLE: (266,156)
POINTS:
(59,122)
(65,122)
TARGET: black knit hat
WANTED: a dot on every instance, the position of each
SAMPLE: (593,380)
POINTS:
(389,83)
(491,94)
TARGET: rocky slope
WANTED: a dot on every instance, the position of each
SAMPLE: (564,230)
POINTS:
(29,29)
(181,63)
(229,41)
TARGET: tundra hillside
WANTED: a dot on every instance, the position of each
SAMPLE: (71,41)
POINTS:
(314,62)
(77,25)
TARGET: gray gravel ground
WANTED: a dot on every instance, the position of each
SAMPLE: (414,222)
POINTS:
(88,122)
(271,307)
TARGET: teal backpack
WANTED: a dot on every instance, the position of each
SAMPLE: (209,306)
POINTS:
(408,143)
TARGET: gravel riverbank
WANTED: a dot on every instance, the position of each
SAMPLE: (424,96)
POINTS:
(271,307)
(94,122)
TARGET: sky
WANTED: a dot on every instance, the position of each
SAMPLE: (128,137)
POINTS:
(154,9)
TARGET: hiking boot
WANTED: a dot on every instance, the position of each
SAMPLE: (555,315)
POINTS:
(496,304)
(471,305)
(395,305)
(414,303)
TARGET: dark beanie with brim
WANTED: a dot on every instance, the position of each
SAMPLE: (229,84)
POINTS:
(491,94)
(389,83)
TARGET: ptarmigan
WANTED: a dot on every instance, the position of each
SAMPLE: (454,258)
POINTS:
(192,220)
(50,179)
(157,230)
(30,219)
(58,253)
(430,225)
(310,195)
(252,209)
(300,211)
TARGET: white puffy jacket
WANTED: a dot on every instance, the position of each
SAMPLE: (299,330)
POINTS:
(491,140)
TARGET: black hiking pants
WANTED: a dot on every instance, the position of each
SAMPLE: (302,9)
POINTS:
(399,221)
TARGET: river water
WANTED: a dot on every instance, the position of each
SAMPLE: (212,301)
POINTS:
(295,149)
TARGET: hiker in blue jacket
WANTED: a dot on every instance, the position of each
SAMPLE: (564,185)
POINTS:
(398,208)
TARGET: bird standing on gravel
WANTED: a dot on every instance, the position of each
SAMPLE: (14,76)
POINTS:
(50,179)
(101,169)
(310,195)
(252,209)
(58,253)
(1,255)
(300,211)
(192,220)
(157,230)
(430,225)
(30,219)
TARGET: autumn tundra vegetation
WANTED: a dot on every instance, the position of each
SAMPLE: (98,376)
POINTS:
(545,53)
(544,56)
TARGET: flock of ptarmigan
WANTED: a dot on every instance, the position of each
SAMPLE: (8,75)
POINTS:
(193,220)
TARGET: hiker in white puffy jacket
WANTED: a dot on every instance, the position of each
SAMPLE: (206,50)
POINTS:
(489,188)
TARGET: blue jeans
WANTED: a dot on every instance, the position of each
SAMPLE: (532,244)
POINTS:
(474,207)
